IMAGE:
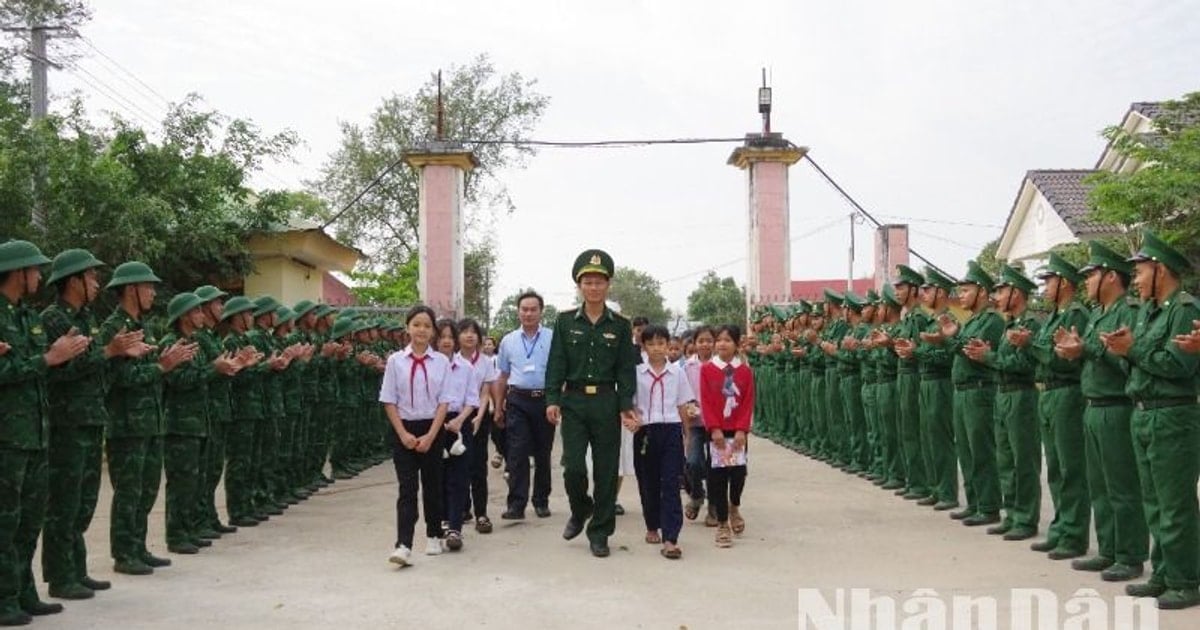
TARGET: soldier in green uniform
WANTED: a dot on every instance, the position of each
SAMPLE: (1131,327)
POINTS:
(327,393)
(937,396)
(1017,454)
(590,385)
(289,425)
(869,373)
(1060,411)
(851,385)
(887,405)
(835,414)
(220,412)
(799,350)
(1122,539)
(266,435)
(974,397)
(25,429)
(135,428)
(913,321)
(815,356)
(185,399)
(1166,421)
(77,419)
(249,410)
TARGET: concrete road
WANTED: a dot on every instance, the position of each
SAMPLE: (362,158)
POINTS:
(324,564)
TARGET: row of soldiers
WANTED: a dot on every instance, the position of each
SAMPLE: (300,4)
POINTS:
(251,391)
(906,391)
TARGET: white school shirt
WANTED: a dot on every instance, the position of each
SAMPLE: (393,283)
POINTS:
(414,386)
(659,395)
(462,388)
(485,367)
(692,368)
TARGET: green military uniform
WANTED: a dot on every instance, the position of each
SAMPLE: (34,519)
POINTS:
(819,420)
(134,434)
(974,408)
(290,429)
(348,398)
(850,384)
(24,438)
(803,425)
(220,421)
(887,366)
(1166,432)
(935,398)
(249,410)
(1121,534)
(590,375)
(325,412)
(185,398)
(908,393)
(1017,454)
(266,433)
(835,413)
(1060,411)
(302,478)
(869,373)
(77,419)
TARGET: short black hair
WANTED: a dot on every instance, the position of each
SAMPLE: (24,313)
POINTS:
(640,321)
(441,325)
(655,331)
(530,293)
(468,323)
(418,310)
(733,330)
(702,329)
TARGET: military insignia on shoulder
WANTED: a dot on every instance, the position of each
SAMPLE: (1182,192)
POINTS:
(36,330)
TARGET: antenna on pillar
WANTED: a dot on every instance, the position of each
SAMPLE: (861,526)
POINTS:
(441,111)
(764,103)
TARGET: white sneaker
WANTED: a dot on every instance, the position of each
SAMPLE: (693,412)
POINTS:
(400,556)
(434,548)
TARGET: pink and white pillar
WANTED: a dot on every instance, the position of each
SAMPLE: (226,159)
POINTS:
(766,159)
(442,167)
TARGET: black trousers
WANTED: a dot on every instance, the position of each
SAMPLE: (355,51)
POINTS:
(725,486)
(529,434)
(456,475)
(417,471)
(658,463)
(477,456)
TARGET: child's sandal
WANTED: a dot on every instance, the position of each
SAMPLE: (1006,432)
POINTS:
(652,538)
(692,510)
(724,536)
(673,553)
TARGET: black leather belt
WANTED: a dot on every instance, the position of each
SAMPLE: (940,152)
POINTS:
(1147,405)
(1051,385)
(591,389)
(527,393)
(1110,401)
(970,385)
(1005,388)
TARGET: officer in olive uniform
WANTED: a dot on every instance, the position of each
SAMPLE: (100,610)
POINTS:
(25,427)
(937,396)
(310,378)
(325,412)
(850,366)
(590,386)
(135,428)
(886,395)
(908,384)
(77,419)
(1122,538)
(974,397)
(1060,411)
(1166,421)
(1018,455)
(249,410)
(266,433)
(835,413)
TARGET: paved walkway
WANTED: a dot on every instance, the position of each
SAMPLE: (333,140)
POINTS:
(323,564)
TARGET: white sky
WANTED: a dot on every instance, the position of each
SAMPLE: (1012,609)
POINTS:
(924,111)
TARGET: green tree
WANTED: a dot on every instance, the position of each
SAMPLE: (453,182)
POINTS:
(395,287)
(988,260)
(638,294)
(1165,193)
(480,104)
(506,321)
(717,301)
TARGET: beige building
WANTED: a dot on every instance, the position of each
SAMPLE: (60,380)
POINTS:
(291,263)
(1051,206)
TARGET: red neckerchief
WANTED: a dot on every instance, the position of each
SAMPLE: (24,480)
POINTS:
(412,377)
(657,381)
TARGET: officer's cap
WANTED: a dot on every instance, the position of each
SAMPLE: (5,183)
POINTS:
(1010,277)
(1102,257)
(976,274)
(1058,266)
(592,261)
(908,275)
(1155,249)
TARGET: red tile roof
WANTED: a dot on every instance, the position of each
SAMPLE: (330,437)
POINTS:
(334,292)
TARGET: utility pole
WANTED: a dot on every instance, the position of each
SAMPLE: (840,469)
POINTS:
(850,265)
(39,98)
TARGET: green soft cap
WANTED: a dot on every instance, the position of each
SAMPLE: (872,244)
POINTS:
(181,304)
(20,255)
(908,275)
(132,272)
(1010,277)
(1102,257)
(1157,250)
(1058,266)
(977,275)
(70,262)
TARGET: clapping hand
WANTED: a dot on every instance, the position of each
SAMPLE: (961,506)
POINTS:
(1119,341)
(1067,344)
(948,325)
(1018,337)
(977,349)
(66,347)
